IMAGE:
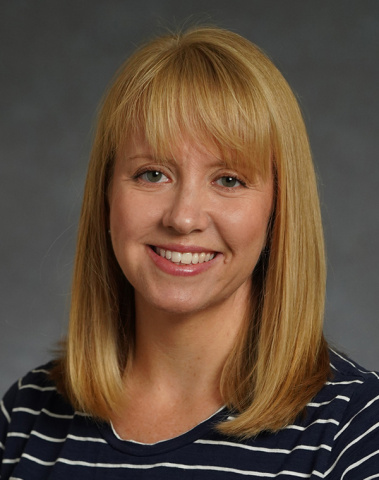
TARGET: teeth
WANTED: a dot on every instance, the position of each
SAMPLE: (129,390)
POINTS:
(185,258)
(176,257)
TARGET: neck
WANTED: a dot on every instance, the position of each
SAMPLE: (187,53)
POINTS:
(173,380)
(184,354)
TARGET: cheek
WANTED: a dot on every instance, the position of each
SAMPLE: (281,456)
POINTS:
(131,216)
(247,228)
(121,217)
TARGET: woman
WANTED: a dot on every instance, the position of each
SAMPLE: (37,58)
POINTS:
(195,346)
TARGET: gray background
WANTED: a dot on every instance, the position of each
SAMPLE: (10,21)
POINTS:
(56,58)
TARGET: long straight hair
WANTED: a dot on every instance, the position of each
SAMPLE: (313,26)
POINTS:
(214,87)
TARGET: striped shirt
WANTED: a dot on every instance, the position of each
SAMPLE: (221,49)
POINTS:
(42,437)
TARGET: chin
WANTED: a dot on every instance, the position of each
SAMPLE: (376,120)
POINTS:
(179,308)
(180,305)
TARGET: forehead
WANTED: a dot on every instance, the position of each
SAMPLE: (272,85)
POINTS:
(138,146)
(191,148)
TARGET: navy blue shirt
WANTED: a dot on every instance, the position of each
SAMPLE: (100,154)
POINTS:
(42,437)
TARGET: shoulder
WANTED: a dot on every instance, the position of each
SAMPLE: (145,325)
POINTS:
(354,391)
(27,398)
(355,386)
(344,366)
(32,389)
(353,383)
(38,427)
(349,387)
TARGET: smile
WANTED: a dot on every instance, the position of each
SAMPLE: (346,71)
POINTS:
(185,258)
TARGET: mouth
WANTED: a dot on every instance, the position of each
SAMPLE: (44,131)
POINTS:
(184,258)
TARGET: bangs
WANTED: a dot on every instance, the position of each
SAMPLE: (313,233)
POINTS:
(200,94)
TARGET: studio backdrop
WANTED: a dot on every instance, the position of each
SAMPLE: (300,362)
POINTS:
(56,59)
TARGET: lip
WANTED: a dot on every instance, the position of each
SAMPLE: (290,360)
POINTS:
(177,269)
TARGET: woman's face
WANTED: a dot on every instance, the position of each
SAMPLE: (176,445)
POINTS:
(187,232)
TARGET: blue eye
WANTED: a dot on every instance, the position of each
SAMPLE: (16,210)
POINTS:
(228,181)
(153,176)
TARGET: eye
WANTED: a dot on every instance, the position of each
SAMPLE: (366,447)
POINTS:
(229,181)
(153,176)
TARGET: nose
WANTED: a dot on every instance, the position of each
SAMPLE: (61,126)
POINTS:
(186,211)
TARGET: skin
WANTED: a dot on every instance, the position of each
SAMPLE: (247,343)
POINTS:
(187,317)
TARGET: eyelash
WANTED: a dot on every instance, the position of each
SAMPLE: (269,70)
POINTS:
(139,175)
(234,177)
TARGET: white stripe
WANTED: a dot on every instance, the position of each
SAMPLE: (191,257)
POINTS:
(11,460)
(349,422)
(373,476)
(86,439)
(345,382)
(331,364)
(82,414)
(373,373)
(167,465)
(72,437)
(350,444)
(57,415)
(19,383)
(54,439)
(359,462)
(26,410)
(319,421)
(44,410)
(343,358)
(262,449)
(2,447)
(46,437)
(18,435)
(5,412)
(37,387)
(41,370)
(337,397)
(318,474)
(15,478)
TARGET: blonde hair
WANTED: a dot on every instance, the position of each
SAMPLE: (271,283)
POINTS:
(214,87)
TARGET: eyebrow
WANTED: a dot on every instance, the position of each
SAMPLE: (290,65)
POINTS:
(218,162)
(140,155)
